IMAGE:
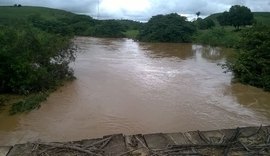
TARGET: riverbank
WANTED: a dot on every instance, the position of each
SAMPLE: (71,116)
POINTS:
(238,141)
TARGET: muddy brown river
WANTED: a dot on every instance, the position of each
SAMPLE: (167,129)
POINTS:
(129,87)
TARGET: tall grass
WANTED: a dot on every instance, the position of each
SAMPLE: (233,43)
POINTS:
(218,36)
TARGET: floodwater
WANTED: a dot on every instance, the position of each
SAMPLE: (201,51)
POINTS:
(129,87)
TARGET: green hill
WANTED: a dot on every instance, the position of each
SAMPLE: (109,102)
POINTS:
(10,12)
(260,17)
(46,19)
(60,21)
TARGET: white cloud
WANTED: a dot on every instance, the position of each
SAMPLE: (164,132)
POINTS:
(126,5)
(143,9)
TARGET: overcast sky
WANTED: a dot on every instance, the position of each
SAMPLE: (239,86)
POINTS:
(142,10)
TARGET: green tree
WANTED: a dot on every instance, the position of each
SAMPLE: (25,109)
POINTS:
(252,65)
(167,28)
(224,18)
(204,23)
(50,26)
(80,24)
(237,16)
(240,16)
(108,28)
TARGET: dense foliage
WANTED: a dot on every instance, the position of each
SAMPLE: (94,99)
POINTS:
(80,25)
(237,16)
(49,26)
(32,60)
(204,24)
(35,52)
(252,66)
(224,19)
(108,28)
(167,28)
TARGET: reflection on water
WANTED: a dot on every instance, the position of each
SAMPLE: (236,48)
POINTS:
(128,87)
(161,50)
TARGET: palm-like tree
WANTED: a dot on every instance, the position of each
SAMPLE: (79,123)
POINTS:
(198,14)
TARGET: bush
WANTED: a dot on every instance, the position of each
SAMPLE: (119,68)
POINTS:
(108,28)
(204,24)
(252,65)
(50,26)
(35,60)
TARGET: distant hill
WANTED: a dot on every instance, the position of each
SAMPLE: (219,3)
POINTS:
(46,19)
(60,21)
(261,17)
(10,12)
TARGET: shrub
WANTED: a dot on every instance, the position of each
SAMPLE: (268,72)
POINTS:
(252,65)
(35,60)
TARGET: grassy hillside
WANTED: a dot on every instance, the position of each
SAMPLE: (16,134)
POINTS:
(226,36)
(260,17)
(59,21)
(43,18)
(10,12)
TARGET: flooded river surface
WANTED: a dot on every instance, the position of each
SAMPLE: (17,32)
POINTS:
(129,87)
